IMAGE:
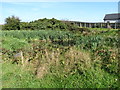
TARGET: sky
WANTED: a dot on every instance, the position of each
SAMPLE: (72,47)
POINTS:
(72,11)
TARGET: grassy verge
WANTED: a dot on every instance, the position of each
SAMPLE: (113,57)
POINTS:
(16,77)
(60,59)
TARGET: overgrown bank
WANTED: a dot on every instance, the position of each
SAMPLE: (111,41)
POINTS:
(54,59)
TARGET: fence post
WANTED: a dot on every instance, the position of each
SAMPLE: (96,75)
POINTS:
(84,24)
(115,25)
(89,25)
(101,25)
(80,25)
(94,25)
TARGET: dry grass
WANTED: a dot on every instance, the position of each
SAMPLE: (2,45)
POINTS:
(40,61)
(44,63)
(76,59)
(41,70)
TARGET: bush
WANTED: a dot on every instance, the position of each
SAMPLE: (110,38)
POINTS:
(12,23)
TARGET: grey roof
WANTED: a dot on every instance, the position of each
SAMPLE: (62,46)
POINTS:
(112,16)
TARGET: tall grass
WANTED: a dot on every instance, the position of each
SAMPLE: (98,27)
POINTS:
(59,59)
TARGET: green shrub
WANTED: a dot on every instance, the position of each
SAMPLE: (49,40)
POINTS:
(12,23)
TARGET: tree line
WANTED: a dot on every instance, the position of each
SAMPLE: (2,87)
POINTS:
(14,23)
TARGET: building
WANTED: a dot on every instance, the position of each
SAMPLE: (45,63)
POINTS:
(112,20)
(112,17)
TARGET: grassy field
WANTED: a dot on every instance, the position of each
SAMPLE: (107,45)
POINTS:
(87,58)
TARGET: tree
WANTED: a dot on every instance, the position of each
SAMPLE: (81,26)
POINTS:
(12,23)
(25,26)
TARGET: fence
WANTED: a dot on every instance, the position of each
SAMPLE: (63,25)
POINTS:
(115,25)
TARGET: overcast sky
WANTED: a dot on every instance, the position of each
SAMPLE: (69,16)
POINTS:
(75,11)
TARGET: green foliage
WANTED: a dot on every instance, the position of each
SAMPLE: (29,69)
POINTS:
(16,77)
(55,59)
(109,60)
(24,26)
(41,34)
(43,24)
(12,23)
(13,43)
(1,27)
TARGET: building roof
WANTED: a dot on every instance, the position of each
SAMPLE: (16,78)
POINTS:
(112,16)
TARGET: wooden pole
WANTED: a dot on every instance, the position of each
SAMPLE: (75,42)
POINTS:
(89,25)
(115,25)
(101,25)
(22,58)
(80,25)
(84,24)
(94,25)
(108,24)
